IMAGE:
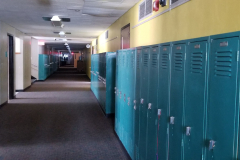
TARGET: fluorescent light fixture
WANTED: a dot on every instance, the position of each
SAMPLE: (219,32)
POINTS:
(61,33)
(55,18)
(17,45)
(65,44)
(65,40)
(40,43)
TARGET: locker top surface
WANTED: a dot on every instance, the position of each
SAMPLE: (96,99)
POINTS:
(126,49)
(225,35)
(179,42)
(199,39)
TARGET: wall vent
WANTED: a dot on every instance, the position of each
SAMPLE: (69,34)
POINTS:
(145,9)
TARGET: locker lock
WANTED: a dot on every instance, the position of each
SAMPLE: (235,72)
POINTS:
(188,131)
(135,107)
(159,112)
(115,88)
(172,120)
(142,101)
(212,144)
(149,105)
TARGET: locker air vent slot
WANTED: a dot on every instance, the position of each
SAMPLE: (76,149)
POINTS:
(223,64)
(154,60)
(138,60)
(197,62)
(178,61)
(132,61)
(164,60)
(145,60)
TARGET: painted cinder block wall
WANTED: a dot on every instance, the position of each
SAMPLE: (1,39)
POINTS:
(193,19)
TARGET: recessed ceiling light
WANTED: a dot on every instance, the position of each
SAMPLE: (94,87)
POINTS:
(55,18)
(61,33)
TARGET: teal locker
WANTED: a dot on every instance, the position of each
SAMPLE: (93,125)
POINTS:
(117,111)
(223,101)
(176,100)
(129,99)
(143,103)
(195,99)
(152,107)
(124,107)
(41,67)
(163,100)
(136,101)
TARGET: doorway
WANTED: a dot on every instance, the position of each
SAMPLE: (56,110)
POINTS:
(125,35)
(10,67)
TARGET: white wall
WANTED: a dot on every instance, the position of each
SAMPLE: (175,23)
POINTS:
(25,81)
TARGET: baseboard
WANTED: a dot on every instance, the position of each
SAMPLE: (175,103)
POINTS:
(3,104)
(22,90)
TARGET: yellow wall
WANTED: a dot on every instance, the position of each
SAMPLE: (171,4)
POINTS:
(196,18)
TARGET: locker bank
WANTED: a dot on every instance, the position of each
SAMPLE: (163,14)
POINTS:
(120,79)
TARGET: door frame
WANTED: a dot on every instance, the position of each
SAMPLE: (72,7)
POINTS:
(11,86)
(128,25)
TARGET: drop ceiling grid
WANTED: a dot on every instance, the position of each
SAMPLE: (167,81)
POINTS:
(26,15)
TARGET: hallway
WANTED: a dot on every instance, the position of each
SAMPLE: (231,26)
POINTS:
(58,119)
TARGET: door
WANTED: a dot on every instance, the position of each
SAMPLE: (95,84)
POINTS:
(176,101)
(125,37)
(195,100)
(152,103)
(163,101)
(143,103)
(11,67)
(222,118)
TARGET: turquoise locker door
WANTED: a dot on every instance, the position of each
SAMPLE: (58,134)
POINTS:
(136,101)
(41,67)
(195,100)
(130,98)
(117,99)
(143,104)
(223,105)
(163,101)
(152,103)
(176,101)
(127,108)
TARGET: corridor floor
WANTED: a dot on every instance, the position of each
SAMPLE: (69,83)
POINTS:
(58,119)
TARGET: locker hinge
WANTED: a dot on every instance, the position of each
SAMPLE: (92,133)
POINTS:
(185,56)
(167,131)
(238,56)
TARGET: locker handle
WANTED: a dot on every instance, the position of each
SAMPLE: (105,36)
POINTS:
(149,105)
(188,131)
(212,144)
(172,120)
(142,101)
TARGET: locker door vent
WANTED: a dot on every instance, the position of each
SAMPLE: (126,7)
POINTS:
(164,60)
(154,60)
(132,61)
(178,61)
(223,64)
(197,62)
(123,61)
(145,60)
(138,61)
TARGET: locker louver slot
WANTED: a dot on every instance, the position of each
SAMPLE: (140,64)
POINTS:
(132,61)
(223,64)
(138,60)
(123,60)
(178,61)
(164,61)
(197,62)
(145,60)
(154,60)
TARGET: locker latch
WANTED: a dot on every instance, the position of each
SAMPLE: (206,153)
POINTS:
(212,144)
(188,131)
(159,112)
(149,105)
(142,101)
(172,120)
(135,106)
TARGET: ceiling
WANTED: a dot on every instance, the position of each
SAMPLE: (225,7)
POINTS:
(89,18)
